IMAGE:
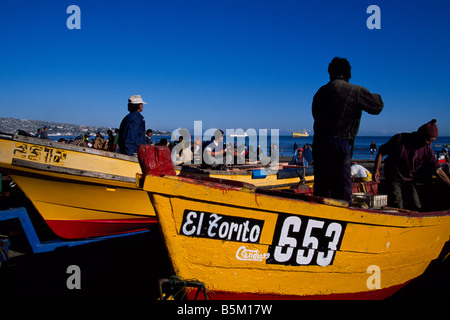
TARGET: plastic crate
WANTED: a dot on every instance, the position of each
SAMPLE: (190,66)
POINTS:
(369,200)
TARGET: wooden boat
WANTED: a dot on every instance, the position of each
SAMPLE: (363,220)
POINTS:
(300,134)
(83,192)
(245,242)
(79,192)
(282,174)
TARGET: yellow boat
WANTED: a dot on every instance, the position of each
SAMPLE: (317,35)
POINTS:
(83,192)
(282,174)
(80,192)
(302,134)
(245,242)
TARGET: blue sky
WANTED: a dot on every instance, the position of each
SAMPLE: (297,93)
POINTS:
(230,63)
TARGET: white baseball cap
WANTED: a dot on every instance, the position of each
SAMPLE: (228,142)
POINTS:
(136,99)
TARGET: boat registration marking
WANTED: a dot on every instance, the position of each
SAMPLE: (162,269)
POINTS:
(39,154)
(220,226)
(300,241)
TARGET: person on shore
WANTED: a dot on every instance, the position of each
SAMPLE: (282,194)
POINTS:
(38,133)
(337,108)
(115,147)
(409,157)
(148,136)
(44,134)
(446,166)
(110,143)
(132,127)
(298,157)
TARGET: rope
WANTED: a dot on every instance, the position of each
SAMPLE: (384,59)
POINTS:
(183,284)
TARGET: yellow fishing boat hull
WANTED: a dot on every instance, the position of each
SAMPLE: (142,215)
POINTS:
(80,192)
(244,243)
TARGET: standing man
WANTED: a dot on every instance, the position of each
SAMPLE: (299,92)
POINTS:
(410,157)
(337,108)
(132,127)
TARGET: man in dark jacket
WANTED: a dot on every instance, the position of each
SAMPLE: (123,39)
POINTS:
(337,108)
(132,127)
(410,158)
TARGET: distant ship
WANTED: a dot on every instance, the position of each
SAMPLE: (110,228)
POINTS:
(302,134)
(238,135)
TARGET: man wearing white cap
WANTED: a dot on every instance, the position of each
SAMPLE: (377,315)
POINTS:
(132,127)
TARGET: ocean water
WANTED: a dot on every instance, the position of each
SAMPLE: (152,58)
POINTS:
(286,143)
(361,148)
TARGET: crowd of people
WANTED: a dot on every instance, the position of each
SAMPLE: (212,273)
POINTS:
(109,143)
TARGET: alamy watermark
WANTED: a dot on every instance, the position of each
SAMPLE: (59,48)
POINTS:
(214,147)
(374,280)
(74,280)
(372,22)
(74,20)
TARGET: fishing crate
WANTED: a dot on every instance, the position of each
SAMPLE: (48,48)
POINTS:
(372,201)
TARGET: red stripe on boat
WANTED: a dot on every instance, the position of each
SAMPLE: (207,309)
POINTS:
(76,229)
(366,295)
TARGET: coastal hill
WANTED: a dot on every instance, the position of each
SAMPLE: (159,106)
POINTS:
(11,125)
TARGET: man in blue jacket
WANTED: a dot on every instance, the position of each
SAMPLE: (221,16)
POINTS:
(132,127)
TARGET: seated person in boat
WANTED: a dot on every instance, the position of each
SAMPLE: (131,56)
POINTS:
(213,155)
(81,140)
(359,173)
(99,142)
(409,157)
(181,152)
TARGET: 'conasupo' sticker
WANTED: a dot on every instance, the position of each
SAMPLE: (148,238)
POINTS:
(300,241)
(219,226)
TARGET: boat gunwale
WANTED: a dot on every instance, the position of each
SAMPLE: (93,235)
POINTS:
(246,169)
(231,185)
(14,170)
(69,171)
(66,146)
